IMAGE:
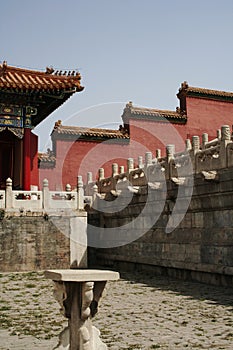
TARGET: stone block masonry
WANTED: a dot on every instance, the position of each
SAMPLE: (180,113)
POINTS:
(38,241)
(200,246)
(42,229)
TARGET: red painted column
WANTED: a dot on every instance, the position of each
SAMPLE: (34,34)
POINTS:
(27,159)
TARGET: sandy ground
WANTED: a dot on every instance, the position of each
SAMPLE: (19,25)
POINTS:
(138,312)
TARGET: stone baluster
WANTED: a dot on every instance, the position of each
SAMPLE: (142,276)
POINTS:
(158,153)
(101,174)
(148,159)
(114,169)
(170,151)
(89,177)
(88,187)
(80,193)
(130,165)
(225,133)
(122,169)
(140,162)
(68,188)
(195,144)
(188,145)
(78,291)
(95,191)
(9,194)
(219,134)
(225,139)
(46,195)
(205,139)
(195,149)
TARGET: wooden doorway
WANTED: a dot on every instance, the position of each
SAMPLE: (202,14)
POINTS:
(10,159)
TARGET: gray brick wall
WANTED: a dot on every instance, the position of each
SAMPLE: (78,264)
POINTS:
(203,241)
(33,243)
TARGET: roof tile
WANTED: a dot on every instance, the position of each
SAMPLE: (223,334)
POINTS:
(89,132)
(202,92)
(24,79)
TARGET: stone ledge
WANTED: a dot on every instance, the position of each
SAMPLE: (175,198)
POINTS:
(73,275)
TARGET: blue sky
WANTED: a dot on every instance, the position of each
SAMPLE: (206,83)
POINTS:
(125,50)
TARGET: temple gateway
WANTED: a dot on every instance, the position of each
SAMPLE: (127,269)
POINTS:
(27,97)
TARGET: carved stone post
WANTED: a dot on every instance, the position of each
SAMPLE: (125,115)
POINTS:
(195,149)
(140,162)
(130,165)
(170,151)
(79,292)
(101,174)
(122,169)
(225,139)
(114,169)
(188,145)
(148,159)
(89,177)
(89,184)
(46,201)
(95,191)
(80,204)
(195,144)
(205,139)
(158,153)
(9,194)
(225,133)
(68,188)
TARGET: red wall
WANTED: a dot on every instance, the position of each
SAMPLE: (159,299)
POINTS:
(78,157)
(150,136)
(75,158)
(208,115)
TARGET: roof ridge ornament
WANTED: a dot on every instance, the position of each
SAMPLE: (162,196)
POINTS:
(49,70)
(3,68)
(184,85)
(57,124)
(129,104)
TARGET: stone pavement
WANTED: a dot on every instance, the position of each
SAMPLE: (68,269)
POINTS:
(141,311)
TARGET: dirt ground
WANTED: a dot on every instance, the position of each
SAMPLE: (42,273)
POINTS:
(141,311)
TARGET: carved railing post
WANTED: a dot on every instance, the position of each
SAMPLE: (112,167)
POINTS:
(225,133)
(79,292)
(170,151)
(148,159)
(68,188)
(205,139)
(219,134)
(95,191)
(140,162)
(80,196)
(225,139)
(89,177)
(188,145)
(45,190)
(130,165)
(122,169)
(194,151)
(195,144)
(101,174)
(114,169)
(9,194)
(158,153)
(89,184)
